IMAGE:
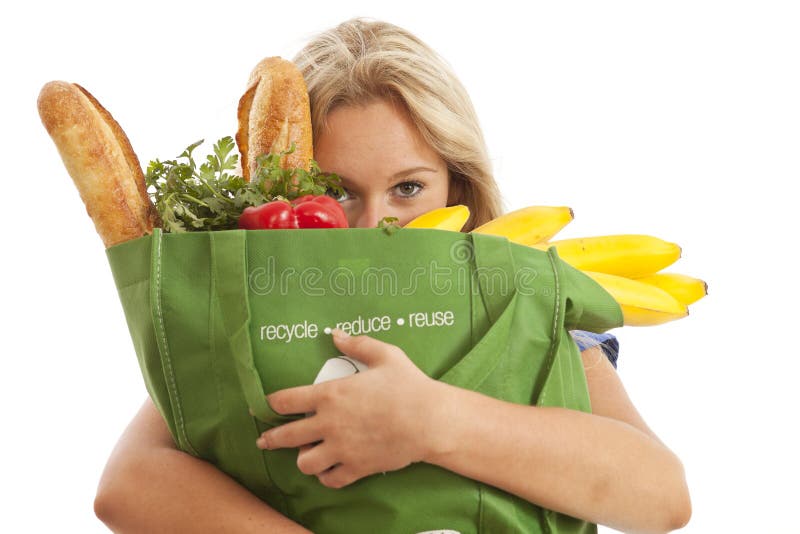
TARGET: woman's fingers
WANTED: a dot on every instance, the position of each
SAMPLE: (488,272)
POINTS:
(294,434)
(338,477)
(293,400)
(315,460)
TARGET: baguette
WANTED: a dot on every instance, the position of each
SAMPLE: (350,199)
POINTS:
(100,160)
(273,113)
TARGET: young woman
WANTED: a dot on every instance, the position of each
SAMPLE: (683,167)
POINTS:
(392,120)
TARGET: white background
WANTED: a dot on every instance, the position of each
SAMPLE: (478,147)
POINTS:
(679,119)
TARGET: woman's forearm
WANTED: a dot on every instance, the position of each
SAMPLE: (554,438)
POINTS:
(597,468)
(149,486)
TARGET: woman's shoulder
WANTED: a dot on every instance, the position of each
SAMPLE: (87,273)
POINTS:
(607,342)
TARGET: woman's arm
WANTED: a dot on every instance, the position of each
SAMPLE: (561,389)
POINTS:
(607,394)
(150,486)
(606,467)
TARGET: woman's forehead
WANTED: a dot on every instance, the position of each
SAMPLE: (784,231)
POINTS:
(375,135)
(379,120)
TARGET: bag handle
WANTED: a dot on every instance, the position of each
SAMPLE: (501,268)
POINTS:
(494,304)
(495,271)
(229,281)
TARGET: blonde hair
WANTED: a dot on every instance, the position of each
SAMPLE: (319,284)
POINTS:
(360,61)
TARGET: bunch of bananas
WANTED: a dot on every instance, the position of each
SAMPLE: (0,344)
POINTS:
(627,266)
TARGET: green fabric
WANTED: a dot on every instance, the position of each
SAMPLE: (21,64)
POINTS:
(205,310)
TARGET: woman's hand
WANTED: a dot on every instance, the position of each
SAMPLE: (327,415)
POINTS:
(367,423)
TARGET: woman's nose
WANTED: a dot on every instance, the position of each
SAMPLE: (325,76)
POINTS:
(370,214)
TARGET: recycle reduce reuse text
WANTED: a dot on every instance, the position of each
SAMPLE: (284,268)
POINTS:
(287,333)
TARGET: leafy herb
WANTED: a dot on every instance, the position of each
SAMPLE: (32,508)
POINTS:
(212,196)
(389,224)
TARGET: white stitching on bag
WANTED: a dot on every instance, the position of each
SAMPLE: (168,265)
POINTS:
(550,355)
(162,332)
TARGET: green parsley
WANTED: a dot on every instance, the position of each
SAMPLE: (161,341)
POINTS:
(389,224)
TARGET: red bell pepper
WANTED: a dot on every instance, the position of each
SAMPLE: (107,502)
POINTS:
(308,211)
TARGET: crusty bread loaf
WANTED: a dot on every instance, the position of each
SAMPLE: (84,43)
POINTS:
(274,113)
(100,160)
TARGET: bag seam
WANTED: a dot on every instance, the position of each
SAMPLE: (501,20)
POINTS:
(171,383)
(556,312)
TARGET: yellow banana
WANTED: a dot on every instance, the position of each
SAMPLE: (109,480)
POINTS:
(451,218)
(629,255)
(684,288)
(528,226)
(642,304)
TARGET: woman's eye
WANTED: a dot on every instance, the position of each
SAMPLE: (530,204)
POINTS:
(340,196)
(408,189)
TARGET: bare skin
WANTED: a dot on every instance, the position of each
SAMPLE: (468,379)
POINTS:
(606,467)
(387,168)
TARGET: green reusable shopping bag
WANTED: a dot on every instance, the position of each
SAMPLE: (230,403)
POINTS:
(220,319)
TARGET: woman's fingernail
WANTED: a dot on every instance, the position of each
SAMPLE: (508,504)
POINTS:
(261,443)
(339,334)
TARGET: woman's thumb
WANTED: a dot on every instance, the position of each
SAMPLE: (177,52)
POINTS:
(365,349)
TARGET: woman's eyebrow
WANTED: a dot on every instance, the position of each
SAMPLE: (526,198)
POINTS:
(412,170)
(398,175)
